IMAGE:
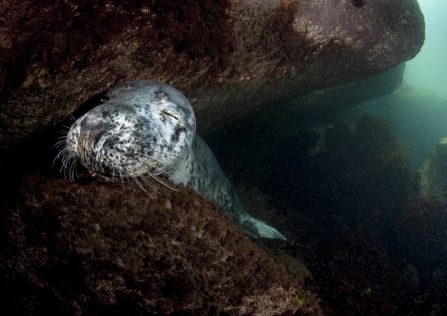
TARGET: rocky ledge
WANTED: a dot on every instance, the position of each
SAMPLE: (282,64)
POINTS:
(229,57)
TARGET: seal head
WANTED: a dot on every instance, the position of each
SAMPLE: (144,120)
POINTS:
(143,127)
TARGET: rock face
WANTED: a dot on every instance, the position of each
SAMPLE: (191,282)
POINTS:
(90,248)
(229,57)
(432,176)
(421,236)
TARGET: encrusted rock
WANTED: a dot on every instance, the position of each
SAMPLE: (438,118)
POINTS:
(90,248)
(432,176)
(229,57)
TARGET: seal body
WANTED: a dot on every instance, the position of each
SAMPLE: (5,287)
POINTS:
(144,129)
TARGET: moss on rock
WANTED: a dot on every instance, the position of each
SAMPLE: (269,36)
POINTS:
(93,248)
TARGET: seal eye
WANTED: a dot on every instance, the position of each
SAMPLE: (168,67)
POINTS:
(169,114)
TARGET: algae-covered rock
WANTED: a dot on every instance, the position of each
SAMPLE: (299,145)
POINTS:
(229,57)
(91,248)
(432,175)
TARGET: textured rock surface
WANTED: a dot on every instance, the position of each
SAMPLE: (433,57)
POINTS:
(433,173)
(421,236)
(90,248)
(339,193)
(231,56)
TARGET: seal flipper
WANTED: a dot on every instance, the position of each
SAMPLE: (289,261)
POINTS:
(199,169)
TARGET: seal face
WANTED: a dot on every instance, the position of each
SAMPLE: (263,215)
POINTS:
(143,127)
(147,128)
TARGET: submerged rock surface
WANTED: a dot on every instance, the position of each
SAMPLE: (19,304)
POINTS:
(432,175)
(90,248)
(229,57)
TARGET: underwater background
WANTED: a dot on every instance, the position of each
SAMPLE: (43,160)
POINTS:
(361,193)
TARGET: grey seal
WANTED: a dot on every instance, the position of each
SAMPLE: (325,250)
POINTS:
(144,129)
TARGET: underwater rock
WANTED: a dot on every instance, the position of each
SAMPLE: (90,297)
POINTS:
(229,57)
(355,274)
(358,169)
(432,176)
(421,237)
(92,248)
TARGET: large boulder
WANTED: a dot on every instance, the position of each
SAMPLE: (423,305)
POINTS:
(90,248)
(229,57)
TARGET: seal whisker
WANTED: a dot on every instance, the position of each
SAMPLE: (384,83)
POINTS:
(135,179)
(154,177)
(64,156)
(59,154)
(63,150)
(160,169)
(64,166)
(170,86)
(163,171)
(165,153)
(121,178)
(65,159)
(69,166)
(72,169)
(59,143)
(169,174)
(72,118)
(147,182)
